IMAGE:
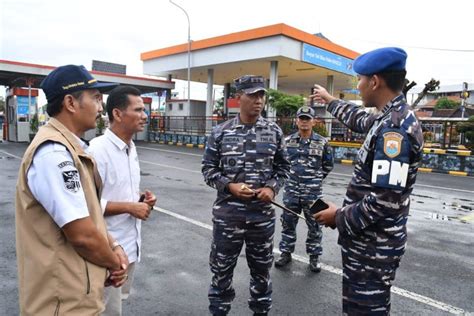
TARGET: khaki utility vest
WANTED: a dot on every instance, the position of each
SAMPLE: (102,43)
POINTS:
(53,278)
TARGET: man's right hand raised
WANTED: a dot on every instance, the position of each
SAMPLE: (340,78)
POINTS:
(321,95)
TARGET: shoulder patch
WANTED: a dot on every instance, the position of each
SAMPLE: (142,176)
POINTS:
(392,144)
(71,180)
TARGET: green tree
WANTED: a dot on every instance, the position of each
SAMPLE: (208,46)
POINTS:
(445,103)
(2,104)
(219,105)
(320,129)
(285,105)
(34,124)
(468,129)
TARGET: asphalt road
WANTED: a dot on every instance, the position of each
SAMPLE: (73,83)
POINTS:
(436,276)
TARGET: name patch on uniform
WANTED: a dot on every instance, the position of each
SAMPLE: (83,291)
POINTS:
(315,152)
(71,180)
(65,163)
(392,144)
(233,139)
(269,138)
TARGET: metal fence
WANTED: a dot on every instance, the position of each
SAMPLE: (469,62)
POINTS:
(441,134)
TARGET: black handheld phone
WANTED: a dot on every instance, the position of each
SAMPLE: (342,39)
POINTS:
(318,206)
(142,198)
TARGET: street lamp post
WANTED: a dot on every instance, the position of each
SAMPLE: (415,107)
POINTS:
(189,51)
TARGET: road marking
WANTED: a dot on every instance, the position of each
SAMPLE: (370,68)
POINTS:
(183,218)
(405,293)
(1,151)
(169,166)
(169,151)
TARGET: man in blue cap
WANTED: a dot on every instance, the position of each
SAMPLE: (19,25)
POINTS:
(311,161)
(372,220)
(64,253)
(245,162)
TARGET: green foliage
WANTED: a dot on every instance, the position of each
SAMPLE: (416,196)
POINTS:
(100,125)
(100,122)
(34,124)
(219,105)
(320,128)
(445,103)
(428,136)
(285,105)
(2,104)
(468,129)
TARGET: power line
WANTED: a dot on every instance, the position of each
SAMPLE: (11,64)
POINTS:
(415,47)
(424,47)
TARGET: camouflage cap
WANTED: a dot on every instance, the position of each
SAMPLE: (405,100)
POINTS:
(306,111)
(250,84)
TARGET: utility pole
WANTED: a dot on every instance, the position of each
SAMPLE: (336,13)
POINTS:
(189,51)
(464,96)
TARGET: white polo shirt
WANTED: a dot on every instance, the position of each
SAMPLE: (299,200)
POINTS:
(120,172)
(54,181)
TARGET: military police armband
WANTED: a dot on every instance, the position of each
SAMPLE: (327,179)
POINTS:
(391,160)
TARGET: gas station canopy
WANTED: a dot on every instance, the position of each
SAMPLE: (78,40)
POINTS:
(19,74)
(22,104)
(293,60)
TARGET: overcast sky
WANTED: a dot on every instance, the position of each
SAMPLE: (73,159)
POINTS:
(436,34)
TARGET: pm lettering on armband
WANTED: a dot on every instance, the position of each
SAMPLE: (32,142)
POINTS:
(387,173)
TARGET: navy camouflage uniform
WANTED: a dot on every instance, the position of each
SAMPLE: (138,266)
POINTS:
(372,221)
(311,161)
(255,155)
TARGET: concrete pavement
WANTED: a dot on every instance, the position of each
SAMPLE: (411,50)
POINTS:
(436,276)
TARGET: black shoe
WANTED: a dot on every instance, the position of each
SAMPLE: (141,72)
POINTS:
(260,314)
(314,264)
(284,259)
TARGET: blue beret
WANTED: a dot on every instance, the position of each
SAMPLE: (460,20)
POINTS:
(250,84)
(71,78)
(380,60)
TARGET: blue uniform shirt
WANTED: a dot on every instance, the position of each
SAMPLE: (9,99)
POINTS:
(372,221)
(252,154)
(311,161)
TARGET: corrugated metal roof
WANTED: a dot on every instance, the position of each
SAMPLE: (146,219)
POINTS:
(444,88)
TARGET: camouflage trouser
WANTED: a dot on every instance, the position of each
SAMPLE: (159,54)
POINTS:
(288,232)
(228,239)
(365,288)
